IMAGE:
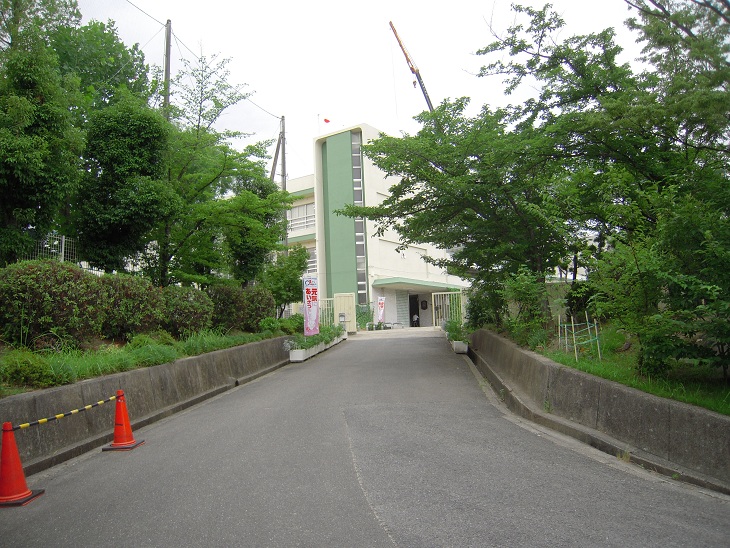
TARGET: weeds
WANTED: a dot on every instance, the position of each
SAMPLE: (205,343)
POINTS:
(21,370)
(702,386)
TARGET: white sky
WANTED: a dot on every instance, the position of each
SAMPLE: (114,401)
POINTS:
(338,59)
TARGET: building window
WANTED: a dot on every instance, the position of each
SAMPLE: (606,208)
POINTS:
(312,262)
(358,199)
(301,217)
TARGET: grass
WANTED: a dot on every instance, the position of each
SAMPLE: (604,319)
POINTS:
(700,386)
(68,365)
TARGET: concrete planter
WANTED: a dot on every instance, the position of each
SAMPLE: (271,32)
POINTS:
(298,355)
(460,347)
(303,354)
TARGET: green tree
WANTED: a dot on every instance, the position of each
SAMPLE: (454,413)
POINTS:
(99,60)
(283,277)
(470,185)
(647,164)
(123,193)
(39,147)
(40,17)
(218,212)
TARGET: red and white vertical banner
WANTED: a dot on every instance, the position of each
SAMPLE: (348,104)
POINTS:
(381,309)
(311,305)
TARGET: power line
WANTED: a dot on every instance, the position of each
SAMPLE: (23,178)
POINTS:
(143,11)
(180,42)
(263,109)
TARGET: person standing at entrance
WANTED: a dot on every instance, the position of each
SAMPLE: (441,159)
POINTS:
(415,321)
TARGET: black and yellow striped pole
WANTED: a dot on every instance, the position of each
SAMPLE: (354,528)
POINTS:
(62,415)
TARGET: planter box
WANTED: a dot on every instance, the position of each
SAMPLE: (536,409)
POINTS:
(460,347)
(298,355)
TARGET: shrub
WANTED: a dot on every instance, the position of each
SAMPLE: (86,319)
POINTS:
(456,331)
(158,337)
(484,305)
(42,297)
(527,311)
(187,310)
(269,324)
(25,368)
(292,325)
(580,299)
(258,303)
(227,306)
(135,306)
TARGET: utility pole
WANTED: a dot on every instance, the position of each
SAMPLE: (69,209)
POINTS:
(280,146)
(168,49)
(283,154)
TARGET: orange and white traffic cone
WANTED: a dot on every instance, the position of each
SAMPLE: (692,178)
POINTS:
(13,488)
(123,439)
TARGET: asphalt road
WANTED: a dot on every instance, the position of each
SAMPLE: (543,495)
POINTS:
(387,439)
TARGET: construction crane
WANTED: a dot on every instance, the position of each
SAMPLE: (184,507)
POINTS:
(413,67)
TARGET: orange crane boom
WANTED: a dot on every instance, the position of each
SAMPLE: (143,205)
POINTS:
(413,67)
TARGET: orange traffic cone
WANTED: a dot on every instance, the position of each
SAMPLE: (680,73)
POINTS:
(123,439)
(13,489)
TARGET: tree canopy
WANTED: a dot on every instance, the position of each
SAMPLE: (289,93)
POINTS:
(86,149)
(618,169)
(39,146)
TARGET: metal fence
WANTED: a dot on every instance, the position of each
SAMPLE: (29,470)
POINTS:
(447,306)
(54,246)
(60,248)
(326,312)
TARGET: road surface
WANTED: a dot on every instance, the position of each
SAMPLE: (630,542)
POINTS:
(388,439)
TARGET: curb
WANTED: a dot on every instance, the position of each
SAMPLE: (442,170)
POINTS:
(522,406)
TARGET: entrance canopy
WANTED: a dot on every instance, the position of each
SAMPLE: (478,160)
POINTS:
(414,286)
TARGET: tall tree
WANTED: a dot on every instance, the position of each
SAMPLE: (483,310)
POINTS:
(123,193)
(471,185)
(101,62)
(648,163)
(283,277)
(209,177)
(39,147)
(18,17)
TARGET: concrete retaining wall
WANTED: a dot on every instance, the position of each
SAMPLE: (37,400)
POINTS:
(669,436)
(151,394)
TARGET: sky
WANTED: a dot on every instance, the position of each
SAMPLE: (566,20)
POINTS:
(338,60)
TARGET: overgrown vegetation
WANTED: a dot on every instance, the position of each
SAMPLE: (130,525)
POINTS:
(697,385)
(61,324)
(327,334)
(21,369)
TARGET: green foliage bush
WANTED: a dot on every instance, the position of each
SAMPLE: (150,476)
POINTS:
(187,310)
(270,325)
(456,331)
(293,324)
(579,299)
(363,315)
(38,298)
(228,306)
(527,313)
(135,306)
(484,305)
(159,336)
(258,303)
(24,368)
(327,334)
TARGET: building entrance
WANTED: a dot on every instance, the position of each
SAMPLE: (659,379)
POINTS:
(413,311)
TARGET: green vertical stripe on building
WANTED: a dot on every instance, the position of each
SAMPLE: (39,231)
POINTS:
(339,231)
